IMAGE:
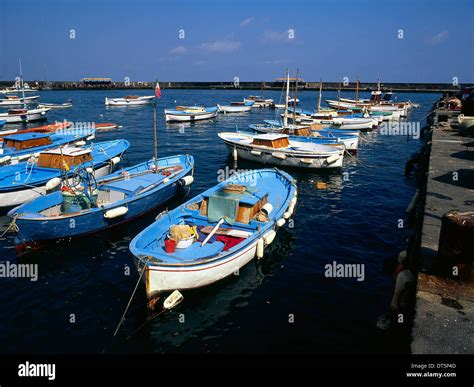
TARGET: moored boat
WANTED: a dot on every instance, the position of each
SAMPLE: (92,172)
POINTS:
(12,100)
(64,105)
(18,147)
(236,107)
(24,115)
(50,128)
(281,149)
(22,182)
(96,205)
(216,233)
(190,113)
(129,100)
(259,102)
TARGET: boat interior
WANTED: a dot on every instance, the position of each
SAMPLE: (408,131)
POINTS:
(235,212)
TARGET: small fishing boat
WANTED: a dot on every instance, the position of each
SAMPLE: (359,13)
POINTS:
(305,133)
(13,100)
(106,126)
(17,147)
(96,205)
(259,102)
(22,182)
(129,100)
(281,149)
(236,107)
(37,129)
(190,113)
(18,89)
(216,233)
(24,115)
(64,105)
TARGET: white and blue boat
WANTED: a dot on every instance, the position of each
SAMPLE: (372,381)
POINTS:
(21,146)
(25,181)
(236,107)
(96,205)
(349,142)
(231,223)
(190,113)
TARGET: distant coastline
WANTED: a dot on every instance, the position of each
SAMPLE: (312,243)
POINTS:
(396,87)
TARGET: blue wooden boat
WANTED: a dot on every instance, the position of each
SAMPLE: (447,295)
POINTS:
(17,147)
(22,182)
(2,122)
(94,206)
(231,223)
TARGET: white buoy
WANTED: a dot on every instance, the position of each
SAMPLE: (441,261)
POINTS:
(115,160)
(294,200)
(80,143)
(307,161)
(291,208)
(256,153)
(269,237)
(53,183)
(260,246)
(235,154)
(287,215)
(332,159)
(5,159)
(187,180)
(281,222)
(166,180)
(173,299)
(115,212)
(89,170)
(91,137)
(278,155)
(267,208)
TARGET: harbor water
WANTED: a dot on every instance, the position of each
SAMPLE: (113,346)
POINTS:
(282,303)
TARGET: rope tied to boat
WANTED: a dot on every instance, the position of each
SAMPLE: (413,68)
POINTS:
(122,319)
(13,227)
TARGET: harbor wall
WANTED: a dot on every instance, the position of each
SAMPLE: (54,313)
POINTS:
(396,87)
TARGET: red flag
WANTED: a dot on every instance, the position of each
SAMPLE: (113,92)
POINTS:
(157,90)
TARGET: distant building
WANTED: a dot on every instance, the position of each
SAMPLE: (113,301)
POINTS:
(97,81)
(292,79)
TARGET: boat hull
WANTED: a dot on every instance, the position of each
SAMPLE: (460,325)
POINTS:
(15,198)
(32,115)
(160,279)
(59,227)
(270,158)
(169,117)
(234,109)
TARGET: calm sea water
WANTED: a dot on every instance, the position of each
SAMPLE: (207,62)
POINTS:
(83,286)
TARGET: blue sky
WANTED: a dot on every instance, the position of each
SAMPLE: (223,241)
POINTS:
(140,39)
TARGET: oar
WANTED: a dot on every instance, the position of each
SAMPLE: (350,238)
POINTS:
(212,232)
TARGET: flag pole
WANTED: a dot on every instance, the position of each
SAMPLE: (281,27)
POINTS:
(155,139)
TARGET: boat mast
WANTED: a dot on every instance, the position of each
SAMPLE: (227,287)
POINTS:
(155,137)
(285,117)
(295,95)
(320,93)
(22,84)
(357,89)
(339,97)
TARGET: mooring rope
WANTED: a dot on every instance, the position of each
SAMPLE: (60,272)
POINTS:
(12,226)
(122,319)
